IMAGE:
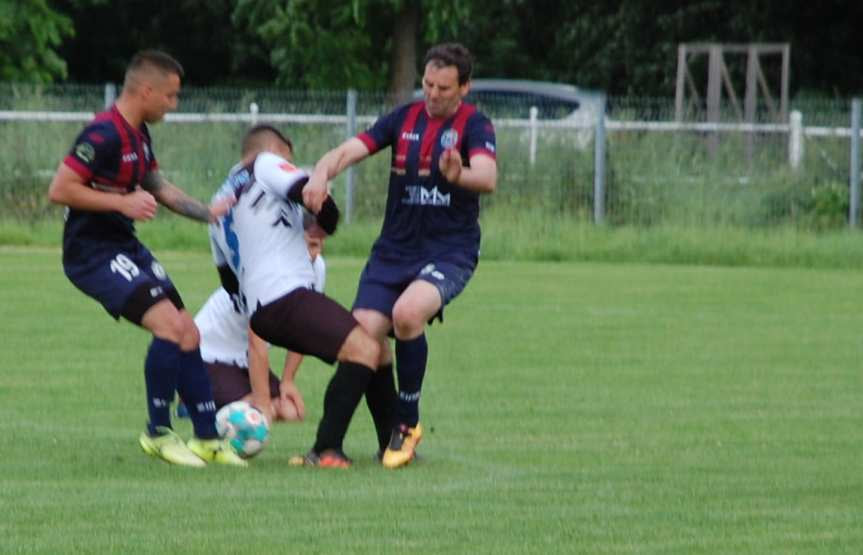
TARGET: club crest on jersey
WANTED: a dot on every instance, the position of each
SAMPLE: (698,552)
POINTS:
(288,167)
(85,152)
(449,138)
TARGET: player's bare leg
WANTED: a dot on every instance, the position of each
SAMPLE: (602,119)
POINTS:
(416,306)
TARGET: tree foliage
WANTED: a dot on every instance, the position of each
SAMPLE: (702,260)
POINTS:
(621,46)
(199,33)
(324,44)
(29,33)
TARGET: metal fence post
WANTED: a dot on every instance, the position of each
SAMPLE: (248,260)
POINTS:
(795,139)
(599,164)
(110,94)
(534,112)
(349,173)
(253,113)
(854,185)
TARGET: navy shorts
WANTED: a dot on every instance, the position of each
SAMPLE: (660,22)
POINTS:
(124,277)
(383,281)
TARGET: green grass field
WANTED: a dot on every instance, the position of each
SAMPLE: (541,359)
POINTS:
(569,408)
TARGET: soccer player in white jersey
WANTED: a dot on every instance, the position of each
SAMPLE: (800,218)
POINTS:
(263,262)
(229,350)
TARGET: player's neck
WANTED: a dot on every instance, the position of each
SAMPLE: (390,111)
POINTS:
(449,114)
(133,115)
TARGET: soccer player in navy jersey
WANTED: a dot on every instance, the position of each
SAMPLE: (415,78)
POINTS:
(110,179)
(443,159)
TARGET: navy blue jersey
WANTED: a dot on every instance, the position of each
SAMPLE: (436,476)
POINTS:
(425,214)
(110,155)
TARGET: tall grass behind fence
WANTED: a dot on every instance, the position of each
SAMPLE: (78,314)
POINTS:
(673,177)
(653,177)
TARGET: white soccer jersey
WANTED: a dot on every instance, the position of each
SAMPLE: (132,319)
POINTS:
(261,237)
(224,330)
(224,335)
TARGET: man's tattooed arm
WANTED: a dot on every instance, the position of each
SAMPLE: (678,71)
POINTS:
(175,198)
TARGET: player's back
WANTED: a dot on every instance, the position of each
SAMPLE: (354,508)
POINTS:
(261,238)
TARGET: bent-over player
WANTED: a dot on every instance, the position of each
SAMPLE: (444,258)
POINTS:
(263,262)
(229,349)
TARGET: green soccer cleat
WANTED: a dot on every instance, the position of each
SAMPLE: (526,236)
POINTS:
(216,450)
(403,444)
(169,447)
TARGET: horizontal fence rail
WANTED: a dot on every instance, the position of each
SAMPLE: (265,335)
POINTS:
(625,162)
(610,124)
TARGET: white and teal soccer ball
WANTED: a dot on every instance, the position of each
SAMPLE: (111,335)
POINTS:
(244,426)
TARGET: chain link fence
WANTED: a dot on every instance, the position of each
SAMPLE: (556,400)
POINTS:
(649,169)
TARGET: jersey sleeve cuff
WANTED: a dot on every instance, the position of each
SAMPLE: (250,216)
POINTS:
(481,152)
(78,167)
(369,142)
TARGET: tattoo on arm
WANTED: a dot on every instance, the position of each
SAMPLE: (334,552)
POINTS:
(174,198)
(152,182)
(191,208)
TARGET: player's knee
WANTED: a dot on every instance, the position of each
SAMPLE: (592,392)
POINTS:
(408,321)
(361,348)
(285,411)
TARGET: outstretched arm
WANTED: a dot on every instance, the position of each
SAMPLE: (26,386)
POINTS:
(328,167)
(178,201)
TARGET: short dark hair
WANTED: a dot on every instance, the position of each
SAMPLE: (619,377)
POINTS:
(254,137)
(451,54)
(157,59)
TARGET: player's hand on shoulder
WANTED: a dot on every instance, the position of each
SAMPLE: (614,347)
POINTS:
(220,206)
(139,205)
(450,165)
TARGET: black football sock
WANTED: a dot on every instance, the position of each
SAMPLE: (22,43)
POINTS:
(160,375)
(343,394)
(381,398)
(411,357)
(194,388)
